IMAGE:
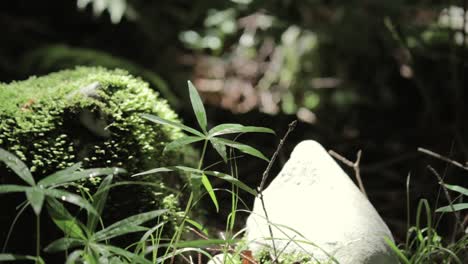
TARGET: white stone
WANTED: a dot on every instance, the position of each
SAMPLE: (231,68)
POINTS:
(315,197)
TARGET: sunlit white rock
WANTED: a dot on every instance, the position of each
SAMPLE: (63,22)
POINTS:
(313,196)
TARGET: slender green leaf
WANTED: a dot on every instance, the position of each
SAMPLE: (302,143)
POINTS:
(182,142)
(220,175)
(197,225)
(224,129)
(457,188)
(220,148)
(202,243)
(65,176)
(14,257)
(197,106)
(64,243)
(99,201)
(134,258)
(17,166)
(397,251)
(242,147)
(63,219)
(119,231)
(9,188)
(134,220)
(71,198)
(206,183)
(452,208)
(232,180)
(217,174)
(35,197)
(162,121)
(153,171)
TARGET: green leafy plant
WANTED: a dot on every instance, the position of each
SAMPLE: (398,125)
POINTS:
(47,188)
(199,176)
(93,244)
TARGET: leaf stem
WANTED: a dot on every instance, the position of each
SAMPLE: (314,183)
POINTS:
(38,237)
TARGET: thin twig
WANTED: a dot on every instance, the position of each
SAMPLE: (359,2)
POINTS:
(438,156)
(449,199)
(354,165)
(291,127)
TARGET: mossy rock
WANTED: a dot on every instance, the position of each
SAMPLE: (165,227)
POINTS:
(92,115)
(57,57)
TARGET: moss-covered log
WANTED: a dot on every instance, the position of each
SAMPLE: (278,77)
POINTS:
(91,115)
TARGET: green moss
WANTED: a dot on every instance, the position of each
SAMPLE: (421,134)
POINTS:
(59,57)
(50,124)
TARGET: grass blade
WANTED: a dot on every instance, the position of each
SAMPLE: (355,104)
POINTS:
(206,183)
(242,147)
(35,197)
(99,200)
(162,121)
(197,106)
(397,251)
(182,142)
(65,176)
(224,129)
(17,166)
(71,198)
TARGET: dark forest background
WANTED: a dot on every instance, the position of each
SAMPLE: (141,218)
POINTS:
(384,77)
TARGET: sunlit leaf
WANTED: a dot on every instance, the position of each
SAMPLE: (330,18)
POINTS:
(15,164)
(99,200)
(220,175)
(35,197)
(182,142)
(206,183)
(153,171)
(127,224)
(71,198)
(452,208)
(220,148)
(119,231)
(224,129)
(242,147)
(197,106)
(9,188)
(65,176)
(457,188)
(63,219)
(63,243)
(162,121)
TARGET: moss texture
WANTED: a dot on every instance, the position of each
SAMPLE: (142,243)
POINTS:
(91,115)
(57,57)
